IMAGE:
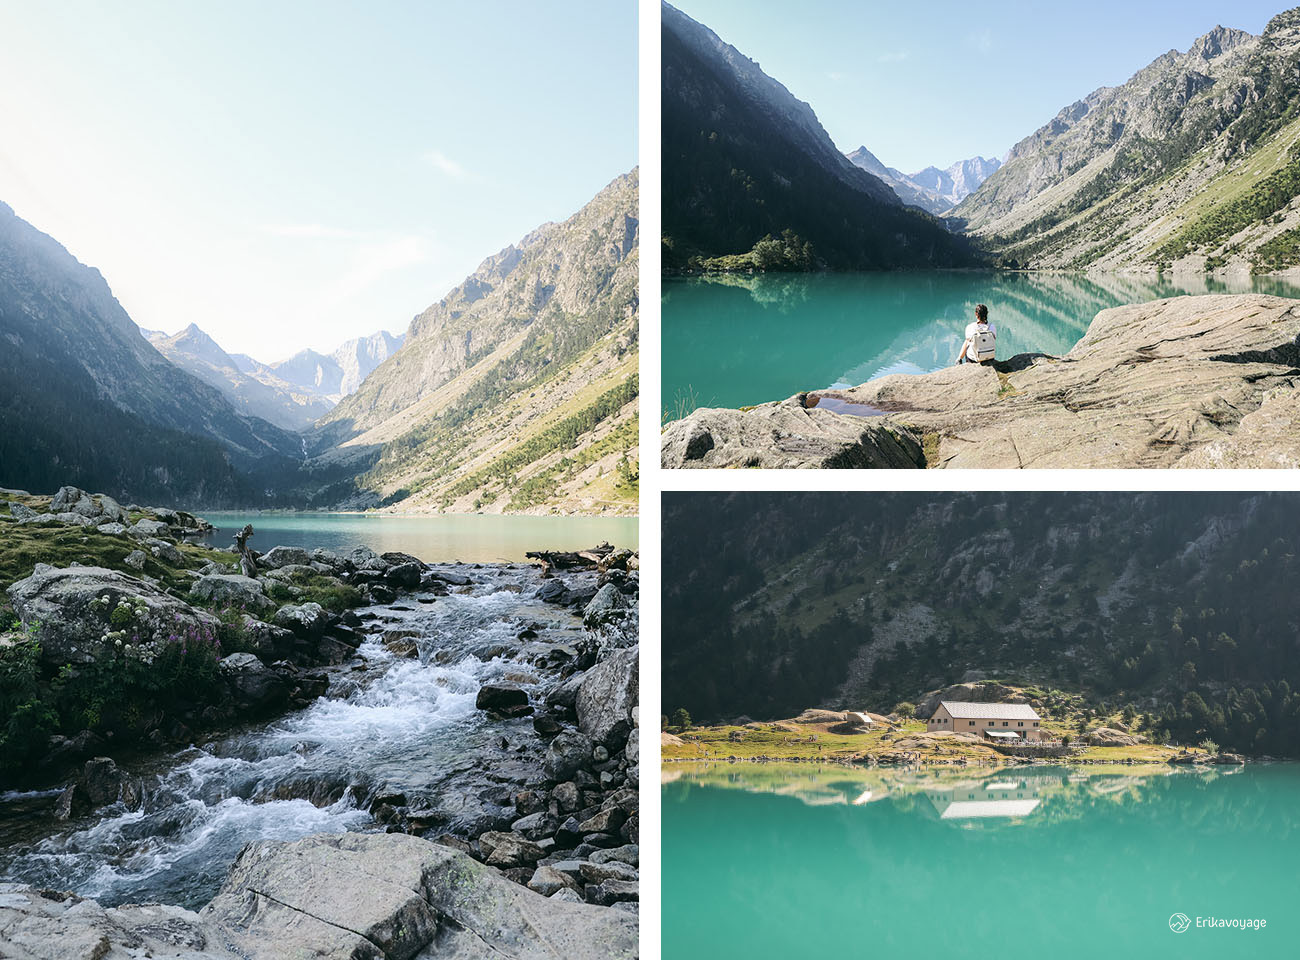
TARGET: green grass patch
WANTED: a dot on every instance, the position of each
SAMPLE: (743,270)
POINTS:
(330,592)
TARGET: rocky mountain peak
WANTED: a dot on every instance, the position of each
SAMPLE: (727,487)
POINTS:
(1288,21)
(793,116)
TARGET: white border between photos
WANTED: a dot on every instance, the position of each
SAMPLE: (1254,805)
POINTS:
(648,42)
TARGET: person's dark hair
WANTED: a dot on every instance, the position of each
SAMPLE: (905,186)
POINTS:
(981,313)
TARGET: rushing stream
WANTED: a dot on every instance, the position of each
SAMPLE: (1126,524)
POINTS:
(388,724)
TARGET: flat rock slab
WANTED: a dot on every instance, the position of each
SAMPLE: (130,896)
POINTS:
(351,896)
(1207,381)
(397,896)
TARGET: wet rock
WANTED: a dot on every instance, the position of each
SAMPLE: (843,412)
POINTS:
(553,591)
(72,802)
(564,696)
(102,780)
(451,577)
(505,698)
(270,641)
(546,725)
(377,593)
(569,752)
(402,643)
(607,698)
(232,590)
(251,684)
(608,604)
(404,576)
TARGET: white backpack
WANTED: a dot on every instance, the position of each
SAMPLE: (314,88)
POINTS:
(983,345)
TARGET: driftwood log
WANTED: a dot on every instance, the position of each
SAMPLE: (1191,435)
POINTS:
(247,561)
(596,558)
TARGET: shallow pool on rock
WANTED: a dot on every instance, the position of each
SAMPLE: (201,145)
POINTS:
(781,860)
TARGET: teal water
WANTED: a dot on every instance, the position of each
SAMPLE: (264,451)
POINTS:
(734,340)
(780,861)
(474,538)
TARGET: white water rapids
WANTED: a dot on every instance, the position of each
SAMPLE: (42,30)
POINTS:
(406,724)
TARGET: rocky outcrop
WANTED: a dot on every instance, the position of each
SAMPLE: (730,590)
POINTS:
(1187,163)
(80,613)
(232,590)
(1208,381)
(368,897)
(1110,737)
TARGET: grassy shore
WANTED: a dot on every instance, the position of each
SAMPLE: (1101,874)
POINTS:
(786,741)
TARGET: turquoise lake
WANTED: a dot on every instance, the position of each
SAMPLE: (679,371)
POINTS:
(474,538)
(737,340)
(784,860)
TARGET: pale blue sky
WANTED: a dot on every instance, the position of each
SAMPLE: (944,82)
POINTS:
(936,81)
(297,172)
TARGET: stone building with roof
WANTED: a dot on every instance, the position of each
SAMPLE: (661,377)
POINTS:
(990,721)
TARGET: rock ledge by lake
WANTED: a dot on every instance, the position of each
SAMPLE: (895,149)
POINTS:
(1209,381)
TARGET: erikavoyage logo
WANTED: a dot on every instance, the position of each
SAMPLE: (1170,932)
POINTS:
(1181,923)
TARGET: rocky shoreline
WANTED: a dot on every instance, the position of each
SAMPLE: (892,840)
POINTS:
(551,813)
(1207,381)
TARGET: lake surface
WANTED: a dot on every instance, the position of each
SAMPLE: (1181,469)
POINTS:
(779,861)
(474,538)
(737,340)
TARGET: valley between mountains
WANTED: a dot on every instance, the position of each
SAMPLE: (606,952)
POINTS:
(1191,165)
(516,392)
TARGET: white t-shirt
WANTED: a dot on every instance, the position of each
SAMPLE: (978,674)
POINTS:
(973,328)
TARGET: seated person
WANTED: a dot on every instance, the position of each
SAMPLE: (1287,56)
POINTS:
(981,339)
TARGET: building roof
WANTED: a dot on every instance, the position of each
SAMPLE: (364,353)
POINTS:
(961,809)
(989,711)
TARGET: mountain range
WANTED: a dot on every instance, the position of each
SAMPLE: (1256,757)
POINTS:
(292,393)
(516,389)
(744,160)
(85,399)
(1170,602)
(1192,163)
(514,392)
(932,189)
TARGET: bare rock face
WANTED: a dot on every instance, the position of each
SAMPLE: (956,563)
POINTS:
(607,698)
(396,896)
(44,925)
(785,435)
(1109,737)
(1181,382)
